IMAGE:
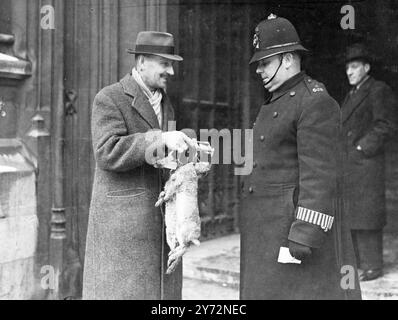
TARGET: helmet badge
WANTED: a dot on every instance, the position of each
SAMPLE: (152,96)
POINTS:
(256,41)
(271,16)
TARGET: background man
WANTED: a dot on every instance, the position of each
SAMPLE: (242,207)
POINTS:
(291,201)
(125,250)
(368,123)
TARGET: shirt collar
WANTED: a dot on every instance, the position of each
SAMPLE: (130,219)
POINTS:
(362,82)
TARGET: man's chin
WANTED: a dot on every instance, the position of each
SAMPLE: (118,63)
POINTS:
(267,86)
(163,84)
(353,82)
(271,88)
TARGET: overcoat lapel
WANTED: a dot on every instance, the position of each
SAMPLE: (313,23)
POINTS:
(352,102)
(140,102)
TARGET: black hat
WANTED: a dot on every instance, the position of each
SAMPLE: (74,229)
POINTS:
(273,36)
(358,51)
(157,43)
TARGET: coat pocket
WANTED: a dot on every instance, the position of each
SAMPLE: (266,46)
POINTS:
(288,211)
(130,215)
(127,193)
(279,200)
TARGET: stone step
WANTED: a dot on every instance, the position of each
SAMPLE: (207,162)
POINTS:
(384,288)
(226,278)
(370,295)
(218,261)
(215,260)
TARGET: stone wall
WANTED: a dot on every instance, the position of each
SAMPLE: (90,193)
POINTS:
(18,234)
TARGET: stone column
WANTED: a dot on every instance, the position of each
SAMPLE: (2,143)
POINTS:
(156,15)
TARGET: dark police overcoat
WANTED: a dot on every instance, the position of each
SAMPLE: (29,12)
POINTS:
(293,194)
(125,249)
(368,121)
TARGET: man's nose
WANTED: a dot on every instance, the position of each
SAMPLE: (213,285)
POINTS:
(259,69)
(170,70)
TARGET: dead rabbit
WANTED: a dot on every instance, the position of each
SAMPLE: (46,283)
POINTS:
(182,213)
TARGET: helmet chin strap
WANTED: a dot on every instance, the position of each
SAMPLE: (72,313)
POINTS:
(280,63)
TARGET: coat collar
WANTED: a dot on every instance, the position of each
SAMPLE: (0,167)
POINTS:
(142,105)
(353,100)
(287,85)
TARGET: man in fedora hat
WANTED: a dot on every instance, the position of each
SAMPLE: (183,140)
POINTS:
(368,124)
(293,241)
(125,248)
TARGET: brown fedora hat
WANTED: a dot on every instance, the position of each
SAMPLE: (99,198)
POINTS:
(156,43)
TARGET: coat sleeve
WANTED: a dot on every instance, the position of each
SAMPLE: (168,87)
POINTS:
(317,149)
(383,126)
(114,148)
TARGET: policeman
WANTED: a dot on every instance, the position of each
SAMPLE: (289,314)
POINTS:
(293,241)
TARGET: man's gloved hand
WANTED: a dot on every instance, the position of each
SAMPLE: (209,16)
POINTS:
(299,251)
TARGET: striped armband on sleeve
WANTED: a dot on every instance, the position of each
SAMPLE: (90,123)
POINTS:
(320,219)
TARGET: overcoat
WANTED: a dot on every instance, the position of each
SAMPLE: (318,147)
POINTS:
(368,121)
(293,193)
(126,253)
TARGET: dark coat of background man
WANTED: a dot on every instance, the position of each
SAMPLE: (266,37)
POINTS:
(368,123)
(291,201)
(125,252)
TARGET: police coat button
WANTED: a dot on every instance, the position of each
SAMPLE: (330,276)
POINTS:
(349,134)
(309,80)
(262,138)
(254,124)
(275,114)
(251,189)
(292,93)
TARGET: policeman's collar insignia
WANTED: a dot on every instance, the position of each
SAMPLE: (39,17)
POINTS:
(256,41)
(271,16)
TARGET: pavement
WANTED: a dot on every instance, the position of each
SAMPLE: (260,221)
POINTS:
(211,271)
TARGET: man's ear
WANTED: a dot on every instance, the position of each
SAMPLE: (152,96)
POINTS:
(140,60)
(367,67)
(288,59)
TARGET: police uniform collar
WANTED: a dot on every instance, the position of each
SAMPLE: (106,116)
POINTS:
(287,85)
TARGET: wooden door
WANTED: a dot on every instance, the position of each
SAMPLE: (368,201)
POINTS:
(213,94)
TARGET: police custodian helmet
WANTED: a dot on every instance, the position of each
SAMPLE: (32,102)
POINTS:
(274,36)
